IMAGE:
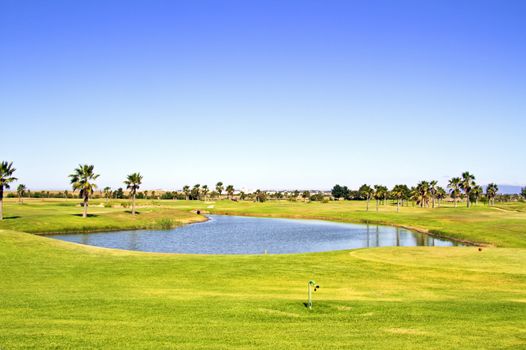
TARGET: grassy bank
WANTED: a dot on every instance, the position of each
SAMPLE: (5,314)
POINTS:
(56,294)
(61,216)
(503,226)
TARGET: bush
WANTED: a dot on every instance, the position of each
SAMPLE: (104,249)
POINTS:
(164,224)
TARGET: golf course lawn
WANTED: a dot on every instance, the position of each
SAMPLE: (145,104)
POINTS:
(56,294)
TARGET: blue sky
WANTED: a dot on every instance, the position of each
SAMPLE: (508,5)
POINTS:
(264,94)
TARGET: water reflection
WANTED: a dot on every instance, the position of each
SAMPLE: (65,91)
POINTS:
(247,235)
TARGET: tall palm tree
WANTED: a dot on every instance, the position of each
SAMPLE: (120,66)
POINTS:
(205,190)
(398,192)
(6,177)
(21,191)
(230,190)
(476,192)
(186,190)
(422,193)
(83,179)
(219,188)
(366,192)
(133,182)
(107,193)
(454,188)
(440,194)
(491,193)
(378,194)
(433,191)
(467,184)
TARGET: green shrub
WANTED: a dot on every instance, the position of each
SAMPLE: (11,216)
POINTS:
(164,224)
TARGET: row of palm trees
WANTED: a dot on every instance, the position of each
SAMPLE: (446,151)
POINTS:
(83,179)
(425,193)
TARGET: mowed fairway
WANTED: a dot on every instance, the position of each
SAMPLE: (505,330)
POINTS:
(62,295)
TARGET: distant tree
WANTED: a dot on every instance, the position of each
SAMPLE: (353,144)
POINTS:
(242,195)
(467,184)
(107,193)
(219,188)
(6,177)
(366,192)
(133,183)
(476,193)
(260,196)
(21,191)
(195,194)
(399,192)
(422,194)
(230,190)
(378,194)
(204,190)
(305,195)
(491,192)
(339,191)
(186,191)
(118,194)
(433,187)
(454,188)
(83,179)
(440,194)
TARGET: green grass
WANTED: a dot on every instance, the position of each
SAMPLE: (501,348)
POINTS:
(503,226)
(56,294)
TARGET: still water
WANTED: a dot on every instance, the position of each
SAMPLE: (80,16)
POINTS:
(249,235)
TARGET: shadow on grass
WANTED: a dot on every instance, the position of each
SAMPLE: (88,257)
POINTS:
(129,212)
(11,217)
(89,215)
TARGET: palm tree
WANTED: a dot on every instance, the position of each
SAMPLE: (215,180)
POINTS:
(186,190)
(6,177)
(433,191)
(476,192)
(204,190)
(82,180)
(21,191)
(467,183)
(491,193)
(440,194)
(219,188)
(230,190)
(398,192)
(367,192)
(454,188)
(422,193)
(378,194)
(133,182)
(107,193)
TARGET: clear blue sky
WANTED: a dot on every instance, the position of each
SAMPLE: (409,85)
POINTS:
(264,94)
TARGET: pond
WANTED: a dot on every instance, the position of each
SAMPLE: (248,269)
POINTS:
(223,234)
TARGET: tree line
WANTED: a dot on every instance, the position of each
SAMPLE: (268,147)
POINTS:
(424,194)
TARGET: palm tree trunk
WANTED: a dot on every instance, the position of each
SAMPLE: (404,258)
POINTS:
(367,204)
(377,205)
(2,204)
(398,205)
(85,213)
(133,204)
